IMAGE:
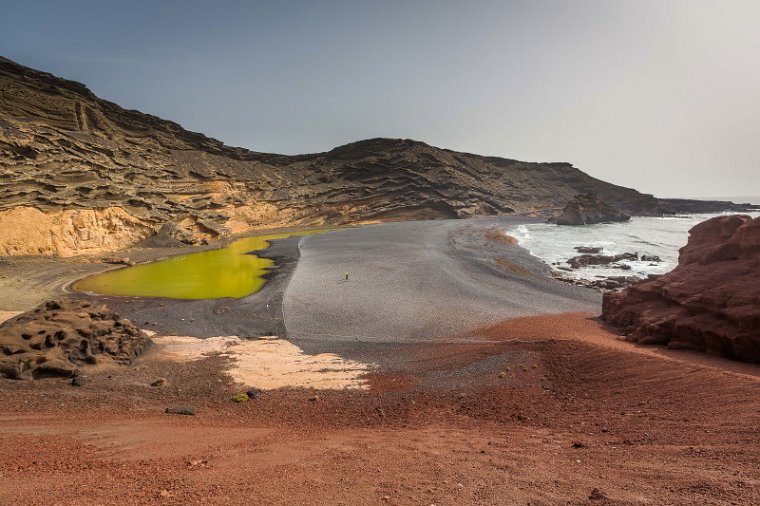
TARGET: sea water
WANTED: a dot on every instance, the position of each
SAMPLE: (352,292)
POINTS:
(662,237)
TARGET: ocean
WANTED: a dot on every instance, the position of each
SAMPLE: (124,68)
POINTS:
(661,237)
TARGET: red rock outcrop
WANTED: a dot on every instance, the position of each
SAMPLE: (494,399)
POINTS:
(710,302)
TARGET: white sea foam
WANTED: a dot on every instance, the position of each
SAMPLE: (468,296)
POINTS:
(661,237)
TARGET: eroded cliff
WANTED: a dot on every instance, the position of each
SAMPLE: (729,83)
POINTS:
(63,151)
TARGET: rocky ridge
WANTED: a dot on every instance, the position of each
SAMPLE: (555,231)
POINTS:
(710,302)
(79,174)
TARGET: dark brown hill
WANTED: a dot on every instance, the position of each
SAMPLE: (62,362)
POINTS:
(82,175)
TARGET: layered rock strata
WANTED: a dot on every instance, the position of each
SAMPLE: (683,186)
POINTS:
(65,153)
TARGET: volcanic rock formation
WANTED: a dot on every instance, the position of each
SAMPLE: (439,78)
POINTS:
(587,209)
(58,337)
(710,302)
(79,174)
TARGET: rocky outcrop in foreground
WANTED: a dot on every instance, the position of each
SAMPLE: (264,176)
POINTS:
(79,174)
(587,209)
(59,337)
(710,302)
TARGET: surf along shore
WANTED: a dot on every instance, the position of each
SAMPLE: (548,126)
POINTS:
(487,383)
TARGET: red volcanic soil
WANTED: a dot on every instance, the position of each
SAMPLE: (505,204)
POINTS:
(544,410)
(710,302)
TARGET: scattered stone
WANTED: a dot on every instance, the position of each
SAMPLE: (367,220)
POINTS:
(597,495)
(180,410)
(602,284)
(589,250)
(586,260)
(314,398)
(241,397)
(117,261)
(578,444)
(159,382)
(647,258)
(78,381)
(254,393)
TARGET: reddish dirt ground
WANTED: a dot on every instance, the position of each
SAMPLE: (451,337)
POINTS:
(545,410)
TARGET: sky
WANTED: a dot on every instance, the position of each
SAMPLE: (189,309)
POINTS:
(659,95)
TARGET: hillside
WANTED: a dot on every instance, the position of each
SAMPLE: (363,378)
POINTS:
(81,175)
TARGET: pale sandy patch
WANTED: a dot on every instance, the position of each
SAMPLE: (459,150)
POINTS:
(269,362)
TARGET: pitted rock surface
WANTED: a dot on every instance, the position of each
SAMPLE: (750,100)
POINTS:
(58,338)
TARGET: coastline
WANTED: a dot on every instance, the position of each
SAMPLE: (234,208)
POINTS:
(533,408)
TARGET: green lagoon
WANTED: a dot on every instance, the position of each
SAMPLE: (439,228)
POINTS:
(229,272)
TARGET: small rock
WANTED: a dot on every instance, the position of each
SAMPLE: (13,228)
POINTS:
(502,374)
(254,393)
(597,495)
(159,382)
(578,444)
(78,381)
(314,398)
(241,397)
(181,410)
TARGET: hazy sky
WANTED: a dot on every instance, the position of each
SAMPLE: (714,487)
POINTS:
(660,95)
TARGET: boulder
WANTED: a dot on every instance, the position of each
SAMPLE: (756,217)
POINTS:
(710,302)
(589,250)
(59,337)
(586,260)
(587,209)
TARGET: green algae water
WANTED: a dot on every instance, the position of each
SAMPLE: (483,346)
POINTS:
(229,272)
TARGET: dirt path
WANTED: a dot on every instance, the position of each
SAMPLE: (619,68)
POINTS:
(545,410)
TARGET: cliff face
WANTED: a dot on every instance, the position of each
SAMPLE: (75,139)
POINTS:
(710,302)
(62,149)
